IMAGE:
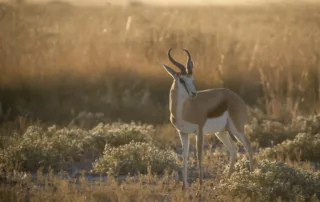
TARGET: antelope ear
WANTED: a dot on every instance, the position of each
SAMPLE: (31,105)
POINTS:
(170,71)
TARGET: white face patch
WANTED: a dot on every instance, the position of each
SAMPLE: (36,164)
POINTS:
(186,84)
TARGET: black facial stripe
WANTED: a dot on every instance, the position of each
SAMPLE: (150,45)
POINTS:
(184,84)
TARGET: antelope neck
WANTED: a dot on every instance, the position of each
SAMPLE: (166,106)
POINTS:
(177,99)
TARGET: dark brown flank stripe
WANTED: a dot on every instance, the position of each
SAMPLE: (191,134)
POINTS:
(218,111)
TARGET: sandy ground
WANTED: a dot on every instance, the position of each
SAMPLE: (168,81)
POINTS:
(180,2)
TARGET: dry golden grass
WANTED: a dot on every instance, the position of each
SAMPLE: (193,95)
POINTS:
(57,60)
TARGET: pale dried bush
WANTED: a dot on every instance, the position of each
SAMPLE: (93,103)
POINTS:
(304,147)
(270,181)
(53,147)
(134,158)
(310,124)
(268,132)
(117,134)
(39,147)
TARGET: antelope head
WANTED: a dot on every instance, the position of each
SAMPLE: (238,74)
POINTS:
(184,78)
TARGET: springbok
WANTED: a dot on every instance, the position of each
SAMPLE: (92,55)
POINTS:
(217,111)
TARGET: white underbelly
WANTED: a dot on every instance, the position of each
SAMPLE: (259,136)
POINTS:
(186,127)
(211,126)
(216,124)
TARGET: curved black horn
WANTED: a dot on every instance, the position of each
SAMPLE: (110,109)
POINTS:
(180,66)
(189,62)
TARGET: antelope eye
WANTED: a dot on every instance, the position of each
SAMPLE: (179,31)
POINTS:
(181,80)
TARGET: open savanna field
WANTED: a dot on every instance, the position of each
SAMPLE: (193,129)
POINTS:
(84,112)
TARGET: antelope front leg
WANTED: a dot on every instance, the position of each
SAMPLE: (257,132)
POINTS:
(185,152)
(200,144)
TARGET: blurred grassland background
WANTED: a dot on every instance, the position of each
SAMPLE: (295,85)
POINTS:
(83,97)
(57,59)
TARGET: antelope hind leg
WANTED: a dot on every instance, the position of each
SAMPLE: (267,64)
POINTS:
(225,138)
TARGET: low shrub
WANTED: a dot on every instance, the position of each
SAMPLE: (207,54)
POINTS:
(54,148)
(270,181)
(267,132)
(309,124)
(304,147)
(133,158)
(38,147)
(118,134)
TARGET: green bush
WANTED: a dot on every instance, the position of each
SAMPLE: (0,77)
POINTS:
(270,181)
(134,158)
(304,147)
